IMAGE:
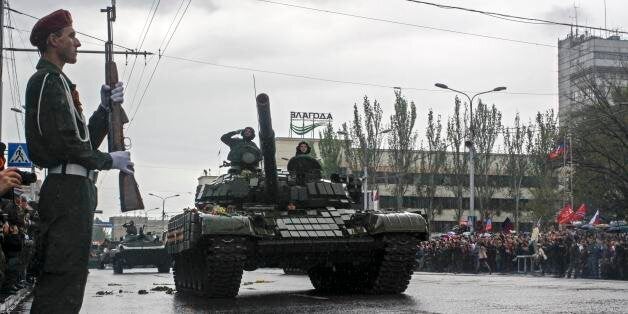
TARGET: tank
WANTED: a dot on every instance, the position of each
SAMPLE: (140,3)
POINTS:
(141,250)
(292,219)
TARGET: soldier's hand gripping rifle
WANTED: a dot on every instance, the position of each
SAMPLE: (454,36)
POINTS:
(130,198)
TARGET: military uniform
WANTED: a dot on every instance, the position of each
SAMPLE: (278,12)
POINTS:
(243,153)
(58,137)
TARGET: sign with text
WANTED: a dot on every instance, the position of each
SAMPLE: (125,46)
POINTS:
(302,123)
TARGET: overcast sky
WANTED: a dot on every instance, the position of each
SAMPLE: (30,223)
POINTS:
(188,105)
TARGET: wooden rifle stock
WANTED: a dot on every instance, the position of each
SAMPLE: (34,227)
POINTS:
(130,197)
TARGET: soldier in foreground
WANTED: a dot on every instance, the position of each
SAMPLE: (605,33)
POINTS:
(60,139)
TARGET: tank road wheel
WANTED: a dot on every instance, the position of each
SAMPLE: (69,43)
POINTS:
(177,272)
(223,269)
(181,271)
(390,273)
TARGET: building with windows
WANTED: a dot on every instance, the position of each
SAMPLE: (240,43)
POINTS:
(587,57)
(444,200)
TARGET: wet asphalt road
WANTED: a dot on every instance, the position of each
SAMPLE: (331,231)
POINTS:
(270,291)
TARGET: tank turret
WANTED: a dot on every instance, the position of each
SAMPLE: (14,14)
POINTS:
(267,144)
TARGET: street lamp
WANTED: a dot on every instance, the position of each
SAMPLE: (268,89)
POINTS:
(469,144)
(163,203)
(365,168)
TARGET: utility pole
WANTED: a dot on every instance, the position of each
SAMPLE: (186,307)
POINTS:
(1,60)
(471,146)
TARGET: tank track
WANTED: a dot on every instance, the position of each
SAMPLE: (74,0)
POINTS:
(392,273)
(388,272)
(212,269)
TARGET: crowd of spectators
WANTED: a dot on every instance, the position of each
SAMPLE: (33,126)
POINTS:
(567,253)
(17,241)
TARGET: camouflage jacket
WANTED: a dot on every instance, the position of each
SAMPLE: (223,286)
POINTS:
(240,146)
(55,130)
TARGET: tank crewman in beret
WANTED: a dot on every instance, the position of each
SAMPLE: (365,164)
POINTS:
(60,139)
(244,153)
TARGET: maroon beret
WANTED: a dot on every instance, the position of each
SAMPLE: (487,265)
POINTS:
(48,25)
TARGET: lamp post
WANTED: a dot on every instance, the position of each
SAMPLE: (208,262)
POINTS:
(365,177)
(469,144)
(163,203)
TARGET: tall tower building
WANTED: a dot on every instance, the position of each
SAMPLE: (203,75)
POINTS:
(587,57)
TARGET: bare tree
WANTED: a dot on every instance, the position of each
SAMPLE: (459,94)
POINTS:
(364,138)
(600,145)
(518,146)
(487,124)
(544,192)
(330,148)
(433,162)
(457,166)
(402,142)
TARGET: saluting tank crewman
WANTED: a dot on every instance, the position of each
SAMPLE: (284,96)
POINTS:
(60,139)
(244,153)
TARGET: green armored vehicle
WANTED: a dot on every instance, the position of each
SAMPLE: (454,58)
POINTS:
(140,250)
(249,219)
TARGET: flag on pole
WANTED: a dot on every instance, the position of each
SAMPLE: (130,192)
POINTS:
(579,214)
(595,220)
(564,215)
(558,151)
(488,225)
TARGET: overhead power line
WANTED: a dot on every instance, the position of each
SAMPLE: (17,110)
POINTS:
(162,50)
(408,24)
(143,34)
(515,18)
(316,78)
(84,34)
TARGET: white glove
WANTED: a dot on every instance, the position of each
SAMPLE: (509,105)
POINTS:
(122,160)
(117,94)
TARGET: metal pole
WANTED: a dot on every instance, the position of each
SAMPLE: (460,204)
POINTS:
(366,180)
(471,168)
(1,61)
(163,209)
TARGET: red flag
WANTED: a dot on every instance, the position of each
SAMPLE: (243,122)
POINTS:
(580,213)
(557,152)
(564,216)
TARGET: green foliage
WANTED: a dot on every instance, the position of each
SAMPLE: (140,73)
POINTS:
(432,160)
(545,196)
(517,145)
(402,142)
(363,138)
(486,127)
(600,148)
(330,150)
(456,132)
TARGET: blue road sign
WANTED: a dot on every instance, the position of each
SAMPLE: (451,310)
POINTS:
(18,156)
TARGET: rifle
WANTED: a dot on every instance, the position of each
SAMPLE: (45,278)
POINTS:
(130,198)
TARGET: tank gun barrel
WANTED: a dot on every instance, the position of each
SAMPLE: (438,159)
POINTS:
(267,144)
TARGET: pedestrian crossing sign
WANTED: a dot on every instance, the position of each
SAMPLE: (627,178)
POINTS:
(18,156)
